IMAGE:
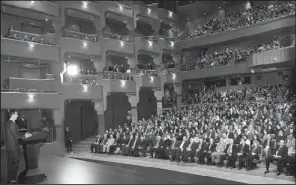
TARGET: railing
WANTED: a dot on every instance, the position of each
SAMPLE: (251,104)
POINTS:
(80,36)
(28,90)
(146,72)
(48,38)
(116,75)
(126,38)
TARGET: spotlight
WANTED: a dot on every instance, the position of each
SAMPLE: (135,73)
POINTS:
(72,70)
(32,2)
(85,88)
(151,79)
(84,44)
(172,43)
(174,76)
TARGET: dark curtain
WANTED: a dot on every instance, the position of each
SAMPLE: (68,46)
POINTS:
(147,105)
(117,110)
(89,119)
(73,118)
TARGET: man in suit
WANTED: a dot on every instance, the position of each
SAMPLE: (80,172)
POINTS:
(101,145)
(226,152)
(95,146)
(200,158)
(253,154)
(216,156)
(116,144)
(268,145)
(184,144)
(165,144)
(154,150)
(12,147)
(132,150)
(188,151)
(231,154)
(209,149)
(243,150)
(68,140)
(141,148)
(126,145)
(110,142)
(172,149)
(279,155)
(22,123)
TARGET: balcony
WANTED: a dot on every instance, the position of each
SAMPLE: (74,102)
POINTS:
(142,44)
(145,12)
(117,85)
(171,77)
(39,6)
(72,45)
(82,91)
(273,57)
(216,71)
(116,8)
(30,100)
(118,46)
(167,45)
(261,28)
(82,6)
(20,48)
(80,36)
(153,82)
(46,85)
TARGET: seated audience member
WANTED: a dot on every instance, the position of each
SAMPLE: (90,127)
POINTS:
(125,147)
(133,149)
(200,151)
(172,150)
(142,146)
(243,150)
(102,144)
(209,149)
(110,141)
(190,151)
(95,146)
(216,156)
(268,145)
(226,153)
(231,154)
(165,145)
(125,141)
(181,149)
(116,144)
(279,155)
(154,151)
(254,154)
(290,160)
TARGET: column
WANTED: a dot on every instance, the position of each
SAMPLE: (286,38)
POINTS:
(178,90)
(134,100)
(158,95)
(99,108)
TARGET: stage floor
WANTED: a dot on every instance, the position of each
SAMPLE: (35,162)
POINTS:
(96,169)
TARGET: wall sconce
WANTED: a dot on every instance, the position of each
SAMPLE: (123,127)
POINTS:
(32,2)
(85,88)
(174,76)
(172,43)
(170,14)
(31,97)
(150,43)
(121,43)
(151,79)
(123,82)
(120,7)
(84,4)
(84,44)
(31,45)
(148,10)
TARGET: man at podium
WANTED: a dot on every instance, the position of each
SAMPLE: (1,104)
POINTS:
(12,146)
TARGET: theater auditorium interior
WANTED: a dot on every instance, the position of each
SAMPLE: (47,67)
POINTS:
(148,92)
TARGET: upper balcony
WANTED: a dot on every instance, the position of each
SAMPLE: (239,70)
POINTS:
(271,58)
(25,49)
(116,8)
(82,6)
(168,45)
(118,85)
(82,91)
(247,32)
(44,7)
(118,46)
(11,99)
(145,12)
(73,45)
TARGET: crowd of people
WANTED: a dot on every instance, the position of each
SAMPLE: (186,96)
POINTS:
(253,15)
(212,133)
(115,68)
(206,59)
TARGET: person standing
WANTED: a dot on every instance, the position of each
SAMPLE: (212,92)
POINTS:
(68,140)
(12,147)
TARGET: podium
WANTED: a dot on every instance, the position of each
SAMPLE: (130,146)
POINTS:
(31,147)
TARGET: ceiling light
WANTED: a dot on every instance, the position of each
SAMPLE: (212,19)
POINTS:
(32,2)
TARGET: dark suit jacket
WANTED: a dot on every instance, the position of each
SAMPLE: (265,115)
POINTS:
(271,144)
(211,148)
(104,141)
(143,143)
(22,124)
(231,135)
(256,150)
(185,145)
(202,147)
(194,146)
(234,149)
(160,143)
(243,149)
(283,151)
(177,144)
(166,143)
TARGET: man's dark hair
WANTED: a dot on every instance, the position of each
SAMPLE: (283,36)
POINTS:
(11,112)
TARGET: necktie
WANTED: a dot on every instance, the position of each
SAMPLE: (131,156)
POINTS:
(278,151)
(174,144)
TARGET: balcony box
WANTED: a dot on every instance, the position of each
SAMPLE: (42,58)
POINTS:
(261,28)
(117,85)
(143,11)
(71,45)
(39,6)
(146,45)
(215,71)
(115,7)
(30,100)
(19,48)
(118,46)
(167,45)
(153,82)
(82,91)
(91,8)
(273,57)
(79,35)
(51,85)
(171,77)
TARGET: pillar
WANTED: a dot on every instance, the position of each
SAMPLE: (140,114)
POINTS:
(99,108)
(158,95)
(178,90)
(134,100)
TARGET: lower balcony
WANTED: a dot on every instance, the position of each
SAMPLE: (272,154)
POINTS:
(30,100)
(150,81)
(82,91)
(118,85)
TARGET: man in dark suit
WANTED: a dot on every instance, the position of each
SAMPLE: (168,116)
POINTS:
(22,123)
(243,150)
(165,144)
(231,154)
(268,145)
(253,154)
(172,149)
(125,147)
(225,152)
(184,144)
(132,150)
(68,140)
(101,145)
(116,144)
(155,148)
(12,147)
(209,149)
(188,151)
(142,146)
(279,155)
(95,146)
(200,152)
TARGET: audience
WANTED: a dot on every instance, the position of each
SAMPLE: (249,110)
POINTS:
(213,132)
(235,20)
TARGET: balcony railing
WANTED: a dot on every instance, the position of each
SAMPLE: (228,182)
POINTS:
(80,36)
(116,75)
(48,38)
(33,85)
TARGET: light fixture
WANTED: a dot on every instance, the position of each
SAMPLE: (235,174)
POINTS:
(84,44)
(32,2)
(31,97)
(148,10)
(149,43)
(128,71)
(121,43)
(85,88)
(174,76)
(31,45)
(123,82)
(151,79)
(72,70)
(170,14)
(84,4)
(120,7)
(46,19)
(172,43)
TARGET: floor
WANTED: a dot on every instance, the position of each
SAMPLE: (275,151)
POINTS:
(73,171)
(201,171)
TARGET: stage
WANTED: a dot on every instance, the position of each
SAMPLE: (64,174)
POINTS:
(84,170)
